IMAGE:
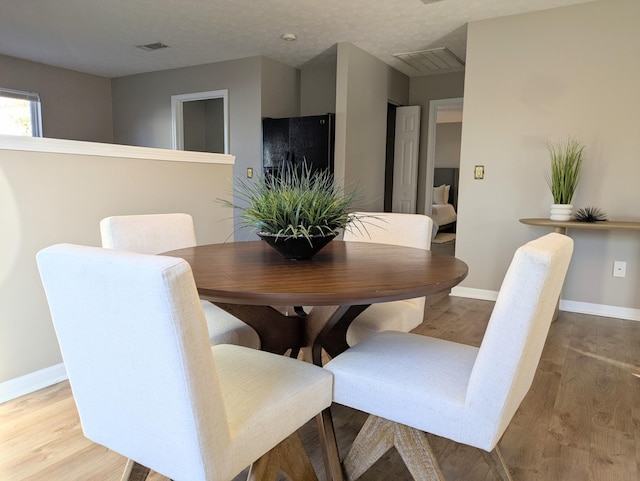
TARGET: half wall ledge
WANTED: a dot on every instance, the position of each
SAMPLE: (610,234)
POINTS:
(61,146)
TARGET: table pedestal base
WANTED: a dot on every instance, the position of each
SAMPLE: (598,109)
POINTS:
(278,332)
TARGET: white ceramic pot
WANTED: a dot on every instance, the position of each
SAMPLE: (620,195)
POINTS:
(561,212)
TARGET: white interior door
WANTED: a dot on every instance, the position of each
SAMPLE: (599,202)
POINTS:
(405,159)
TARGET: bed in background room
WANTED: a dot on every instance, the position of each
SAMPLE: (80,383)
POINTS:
(445,198)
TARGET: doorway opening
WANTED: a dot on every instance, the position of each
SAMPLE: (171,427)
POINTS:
(443,165)
(440,111)
(388,165)
(201,121)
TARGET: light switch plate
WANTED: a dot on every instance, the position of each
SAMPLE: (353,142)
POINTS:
(619,269)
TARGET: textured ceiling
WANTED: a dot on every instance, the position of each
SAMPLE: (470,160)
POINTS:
(99,36)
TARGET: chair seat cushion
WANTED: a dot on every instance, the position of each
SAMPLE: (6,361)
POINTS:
(267,397)
(407,378)
(400,316)
(225,328)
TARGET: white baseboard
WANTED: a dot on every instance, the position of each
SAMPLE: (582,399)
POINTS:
(472,293)
(32,382)
(626,313)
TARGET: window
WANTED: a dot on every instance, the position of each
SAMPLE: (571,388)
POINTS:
(20,113)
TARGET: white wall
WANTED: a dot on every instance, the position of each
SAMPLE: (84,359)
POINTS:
(49,196)
(544,76)
(364,86)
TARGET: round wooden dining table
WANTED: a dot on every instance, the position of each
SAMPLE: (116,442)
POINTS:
(251,280)
(255,283)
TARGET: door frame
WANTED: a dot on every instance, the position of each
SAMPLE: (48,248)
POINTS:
(435,107)
(177,115)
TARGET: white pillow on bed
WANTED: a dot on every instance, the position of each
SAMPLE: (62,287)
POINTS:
(441,194)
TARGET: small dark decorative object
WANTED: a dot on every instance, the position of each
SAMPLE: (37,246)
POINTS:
(589,214)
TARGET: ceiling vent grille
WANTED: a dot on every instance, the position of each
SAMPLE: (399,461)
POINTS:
(152,46)
(432,60)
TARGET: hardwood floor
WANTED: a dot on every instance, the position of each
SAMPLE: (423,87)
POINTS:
(579,422)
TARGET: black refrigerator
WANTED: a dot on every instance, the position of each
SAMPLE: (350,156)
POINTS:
(298,140)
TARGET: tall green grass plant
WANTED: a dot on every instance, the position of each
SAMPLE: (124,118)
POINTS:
(296,203)
(564,174)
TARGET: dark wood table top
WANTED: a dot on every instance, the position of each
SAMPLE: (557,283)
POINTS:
(342,273)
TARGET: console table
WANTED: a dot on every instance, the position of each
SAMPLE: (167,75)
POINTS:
(562,226)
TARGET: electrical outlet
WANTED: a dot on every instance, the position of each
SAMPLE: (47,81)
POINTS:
(619,269)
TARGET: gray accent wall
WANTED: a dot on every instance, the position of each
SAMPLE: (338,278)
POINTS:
(258,87)
(318,84)
(280,89)
(448,135)
(142,105)
(364,86)
(75,106)
(544,76)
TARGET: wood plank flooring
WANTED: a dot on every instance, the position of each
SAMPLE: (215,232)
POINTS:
(579,422)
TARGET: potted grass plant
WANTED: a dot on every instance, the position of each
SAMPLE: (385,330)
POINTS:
(563,176)
(297,211)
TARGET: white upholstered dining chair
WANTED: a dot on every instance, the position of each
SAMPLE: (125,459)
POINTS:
(148,385)
(412,384)
(157,233)
(407,230)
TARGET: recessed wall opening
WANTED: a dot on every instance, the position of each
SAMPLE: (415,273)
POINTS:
(200,122)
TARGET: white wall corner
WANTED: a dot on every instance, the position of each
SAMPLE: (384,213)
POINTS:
(14,388)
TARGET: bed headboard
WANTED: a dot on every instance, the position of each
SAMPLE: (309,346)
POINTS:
(449,176)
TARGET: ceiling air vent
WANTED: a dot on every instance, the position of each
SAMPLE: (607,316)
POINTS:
(432,61)
(152,46)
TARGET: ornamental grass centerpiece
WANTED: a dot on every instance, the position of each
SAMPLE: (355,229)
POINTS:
(297,212)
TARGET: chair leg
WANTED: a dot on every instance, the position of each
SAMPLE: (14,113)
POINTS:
(289,457)
(496,462)
(329,445)
(377,436)
(374,439)
(134,471)
(416,452)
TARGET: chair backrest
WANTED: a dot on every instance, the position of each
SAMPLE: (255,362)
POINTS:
(512,345)
(134,342)
(148,233)
(407,230)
